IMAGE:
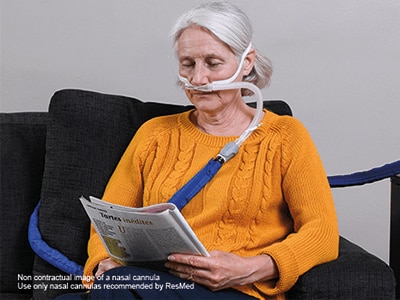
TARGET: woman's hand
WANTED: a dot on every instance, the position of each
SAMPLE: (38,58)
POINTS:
(105,265)
(222,270)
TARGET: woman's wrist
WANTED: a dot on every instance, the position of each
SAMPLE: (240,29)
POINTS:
(263,268)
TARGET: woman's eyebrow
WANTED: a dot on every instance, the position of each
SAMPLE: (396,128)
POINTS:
(207,56)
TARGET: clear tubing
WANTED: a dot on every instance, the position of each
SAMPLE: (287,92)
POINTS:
(228,151)
(259,109)
(228,84)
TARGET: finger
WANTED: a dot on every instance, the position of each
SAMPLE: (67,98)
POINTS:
(196,261)
(200,278)
(190,277)
(180,268)
(98,273)
(106,265)
(193,274)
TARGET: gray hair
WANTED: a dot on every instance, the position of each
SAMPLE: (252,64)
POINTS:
(230,25)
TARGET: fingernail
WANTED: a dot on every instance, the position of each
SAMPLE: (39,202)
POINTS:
(171,258)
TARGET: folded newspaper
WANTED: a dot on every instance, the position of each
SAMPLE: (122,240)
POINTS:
(140,235)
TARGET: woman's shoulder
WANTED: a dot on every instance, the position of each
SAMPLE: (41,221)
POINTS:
(294,136)
(284,124)
(153,131)
(160,124)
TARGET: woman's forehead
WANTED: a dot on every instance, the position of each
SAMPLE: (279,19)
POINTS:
(196,40)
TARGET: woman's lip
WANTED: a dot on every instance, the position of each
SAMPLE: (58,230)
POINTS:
(200,92)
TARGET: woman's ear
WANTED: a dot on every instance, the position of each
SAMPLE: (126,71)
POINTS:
(249,62)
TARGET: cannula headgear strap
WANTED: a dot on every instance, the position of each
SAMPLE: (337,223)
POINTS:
(212,86)
(228,84)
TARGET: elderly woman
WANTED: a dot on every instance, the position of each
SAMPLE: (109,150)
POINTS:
(267,216)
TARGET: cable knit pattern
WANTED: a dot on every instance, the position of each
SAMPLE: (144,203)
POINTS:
(151,155)
(238,200)
(183,162)
(272,198)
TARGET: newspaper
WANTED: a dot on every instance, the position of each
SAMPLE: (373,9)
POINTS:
(141,235)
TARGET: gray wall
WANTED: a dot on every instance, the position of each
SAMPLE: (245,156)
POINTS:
(336,62)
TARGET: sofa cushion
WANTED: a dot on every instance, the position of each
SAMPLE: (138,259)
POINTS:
(22,141)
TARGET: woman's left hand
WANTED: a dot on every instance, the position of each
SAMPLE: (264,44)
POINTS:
(222,269)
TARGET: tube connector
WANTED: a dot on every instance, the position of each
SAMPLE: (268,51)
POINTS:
(228,152)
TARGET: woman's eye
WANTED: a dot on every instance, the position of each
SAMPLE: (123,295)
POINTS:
(187,64)
(214,64)
(208,64)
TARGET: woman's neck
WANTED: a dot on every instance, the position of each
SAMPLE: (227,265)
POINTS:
(228,122)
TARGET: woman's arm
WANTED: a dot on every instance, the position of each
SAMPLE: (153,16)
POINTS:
(222,270)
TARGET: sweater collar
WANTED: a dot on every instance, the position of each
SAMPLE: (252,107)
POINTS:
(219,141)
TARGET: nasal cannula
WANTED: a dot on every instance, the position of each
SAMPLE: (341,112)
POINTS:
(230,149)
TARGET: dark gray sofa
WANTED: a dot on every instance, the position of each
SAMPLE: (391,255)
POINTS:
(71,150)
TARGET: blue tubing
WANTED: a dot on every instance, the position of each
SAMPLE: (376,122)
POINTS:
(363,177)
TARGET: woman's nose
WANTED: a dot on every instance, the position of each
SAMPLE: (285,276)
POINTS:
(200,75)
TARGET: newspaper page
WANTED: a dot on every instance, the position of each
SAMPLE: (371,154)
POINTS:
(139,235)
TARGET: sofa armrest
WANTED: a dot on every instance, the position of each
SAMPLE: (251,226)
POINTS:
(22,155)
(356,274)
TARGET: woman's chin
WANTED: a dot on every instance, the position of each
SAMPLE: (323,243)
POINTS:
(205,102)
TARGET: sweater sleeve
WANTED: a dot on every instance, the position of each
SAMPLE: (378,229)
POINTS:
(307,193)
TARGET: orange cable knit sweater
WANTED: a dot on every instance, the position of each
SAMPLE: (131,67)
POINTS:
(272,198)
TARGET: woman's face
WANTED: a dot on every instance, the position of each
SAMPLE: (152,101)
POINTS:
(203,59)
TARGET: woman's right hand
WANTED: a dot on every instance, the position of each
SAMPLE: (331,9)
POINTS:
(105,265)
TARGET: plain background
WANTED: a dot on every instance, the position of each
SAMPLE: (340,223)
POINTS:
(337,63)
